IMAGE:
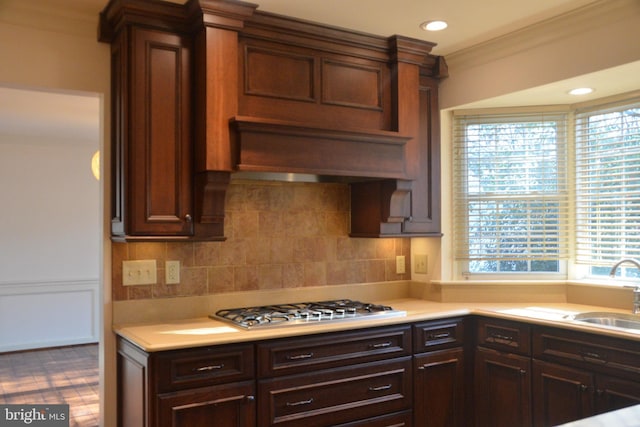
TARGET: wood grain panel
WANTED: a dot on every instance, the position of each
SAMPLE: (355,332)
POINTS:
(351,85)
(279,74)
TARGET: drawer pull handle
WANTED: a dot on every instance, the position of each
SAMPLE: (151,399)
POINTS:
(501,337)
(300,356)
(380,388)
(209,368)
(439,336)
(380,345)
(590,356)
(300,403)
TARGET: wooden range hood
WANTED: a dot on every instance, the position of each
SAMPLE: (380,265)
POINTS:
(276,94)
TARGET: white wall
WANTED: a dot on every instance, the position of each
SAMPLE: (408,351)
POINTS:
(53,45)
(49,249)
(49,221)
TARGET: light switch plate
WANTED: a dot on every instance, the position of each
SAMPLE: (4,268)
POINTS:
(421,264)
(140,272)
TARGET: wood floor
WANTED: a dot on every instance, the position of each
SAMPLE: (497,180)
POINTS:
(58,375)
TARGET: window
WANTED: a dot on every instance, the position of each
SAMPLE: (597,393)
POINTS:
(608,187)
(511,202)
(513,210)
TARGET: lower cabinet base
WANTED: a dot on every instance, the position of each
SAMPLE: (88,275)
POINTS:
(334,396)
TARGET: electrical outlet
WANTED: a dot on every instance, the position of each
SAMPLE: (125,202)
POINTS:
(141,272)
(400,264)
(422,264)
(172,272)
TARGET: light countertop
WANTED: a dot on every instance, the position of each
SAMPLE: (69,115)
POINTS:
(626,417)
(203,331)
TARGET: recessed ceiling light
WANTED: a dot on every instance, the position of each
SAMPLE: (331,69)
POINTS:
(581,91)
(433,25)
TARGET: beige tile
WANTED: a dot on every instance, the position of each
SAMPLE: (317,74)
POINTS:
(207,253)
(233,253)
(270,224)
(278,235)
(154,250)
(245,225)
(309,249)
(258,197)
(336,223)
(193,281)
(374,270)
(270,276)
(245,278)
(140,292)
(220,279)
(293,275)
(183,252)
(281,250)
(315,273)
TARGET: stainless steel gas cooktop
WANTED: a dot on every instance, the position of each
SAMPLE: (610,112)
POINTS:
(305,313)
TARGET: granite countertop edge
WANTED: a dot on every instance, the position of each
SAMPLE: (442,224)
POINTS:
(204,331)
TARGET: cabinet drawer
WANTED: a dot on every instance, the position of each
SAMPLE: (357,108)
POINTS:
(590,351)
(199,367)
(333,396)
(300,354)
(438,335)
(400,419)
(504,335)
(225,404)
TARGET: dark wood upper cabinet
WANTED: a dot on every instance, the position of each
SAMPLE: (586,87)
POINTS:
(152,153)
(212,87)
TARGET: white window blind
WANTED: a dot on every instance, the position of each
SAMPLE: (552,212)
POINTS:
(608,183)
(511,209)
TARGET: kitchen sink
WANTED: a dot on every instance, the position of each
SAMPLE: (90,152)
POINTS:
(616,320)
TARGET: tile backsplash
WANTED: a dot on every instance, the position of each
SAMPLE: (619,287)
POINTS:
(279,235)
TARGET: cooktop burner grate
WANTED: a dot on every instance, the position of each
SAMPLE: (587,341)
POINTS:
(304,312)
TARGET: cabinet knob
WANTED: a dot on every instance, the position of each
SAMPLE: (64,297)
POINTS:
(584,387)
(250,398)
(523,372)
(188,218)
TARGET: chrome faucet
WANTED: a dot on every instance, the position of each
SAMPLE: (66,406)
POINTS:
(636,289)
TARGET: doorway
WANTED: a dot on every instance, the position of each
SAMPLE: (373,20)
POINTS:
(51,245)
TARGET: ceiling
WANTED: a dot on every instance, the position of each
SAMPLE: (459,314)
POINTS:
(471,22)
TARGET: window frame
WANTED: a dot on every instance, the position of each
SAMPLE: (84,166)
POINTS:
(513,115)
(569,269)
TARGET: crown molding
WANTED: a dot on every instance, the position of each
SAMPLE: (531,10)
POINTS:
(598,14)
(73,17)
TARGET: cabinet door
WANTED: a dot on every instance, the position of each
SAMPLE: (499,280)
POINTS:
(615,393)
(438,385)
(155,169)
(503,389)
(560,394)
(230,405)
